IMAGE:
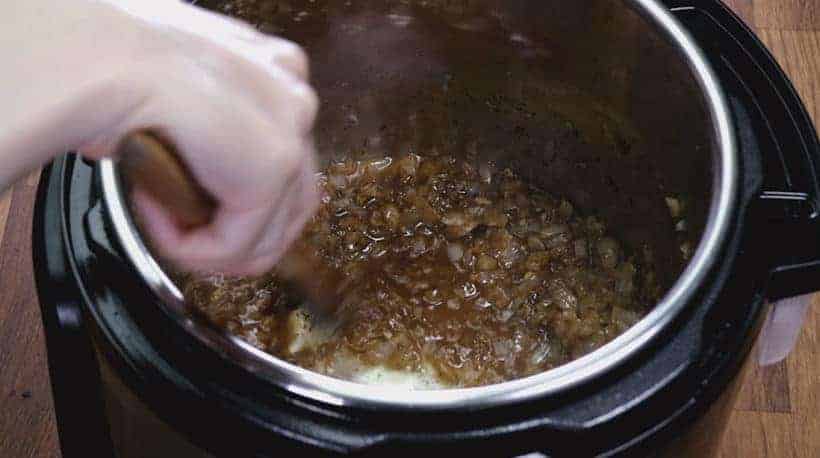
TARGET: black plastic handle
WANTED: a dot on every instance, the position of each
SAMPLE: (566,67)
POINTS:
(75,381)
(778,130)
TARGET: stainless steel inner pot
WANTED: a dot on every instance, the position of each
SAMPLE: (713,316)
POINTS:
(608,103)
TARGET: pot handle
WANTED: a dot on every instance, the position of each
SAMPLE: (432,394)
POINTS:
(75,380)
(781,145)
(787,199)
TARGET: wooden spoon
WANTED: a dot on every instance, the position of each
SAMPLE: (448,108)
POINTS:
(150,162)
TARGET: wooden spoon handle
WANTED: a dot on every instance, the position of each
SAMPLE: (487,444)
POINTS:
(152,164)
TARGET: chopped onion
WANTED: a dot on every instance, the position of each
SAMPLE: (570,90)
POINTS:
(380,164)
(580,247)
(563,296)
(433,296)
(495,218)
(565,209)
(535,244)
(486,262)
(483,303)
(608,252)
(485,171)
(553,230)
(467,291)
(674,206)
(455,251)
(458,224)
(392,216)
(337,181)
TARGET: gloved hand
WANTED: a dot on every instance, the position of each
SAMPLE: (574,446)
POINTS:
(81,74)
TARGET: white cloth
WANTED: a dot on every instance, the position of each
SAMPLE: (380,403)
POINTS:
(781,329)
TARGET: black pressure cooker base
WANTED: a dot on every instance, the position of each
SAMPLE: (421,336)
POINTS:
(91,299)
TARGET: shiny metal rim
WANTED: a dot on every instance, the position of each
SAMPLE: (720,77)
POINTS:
(341,393)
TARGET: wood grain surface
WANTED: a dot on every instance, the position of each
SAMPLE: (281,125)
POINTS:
(777,413)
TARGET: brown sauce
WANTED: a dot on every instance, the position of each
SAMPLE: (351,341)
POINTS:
(451,267)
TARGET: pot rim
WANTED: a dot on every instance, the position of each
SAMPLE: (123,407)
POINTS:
(341,393)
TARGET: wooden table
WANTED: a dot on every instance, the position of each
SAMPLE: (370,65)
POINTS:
(777,413)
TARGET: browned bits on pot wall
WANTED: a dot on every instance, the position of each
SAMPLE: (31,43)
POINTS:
(454,267)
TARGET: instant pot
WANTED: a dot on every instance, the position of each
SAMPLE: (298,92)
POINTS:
(675,99)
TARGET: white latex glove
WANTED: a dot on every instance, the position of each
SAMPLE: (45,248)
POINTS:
(79,74)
